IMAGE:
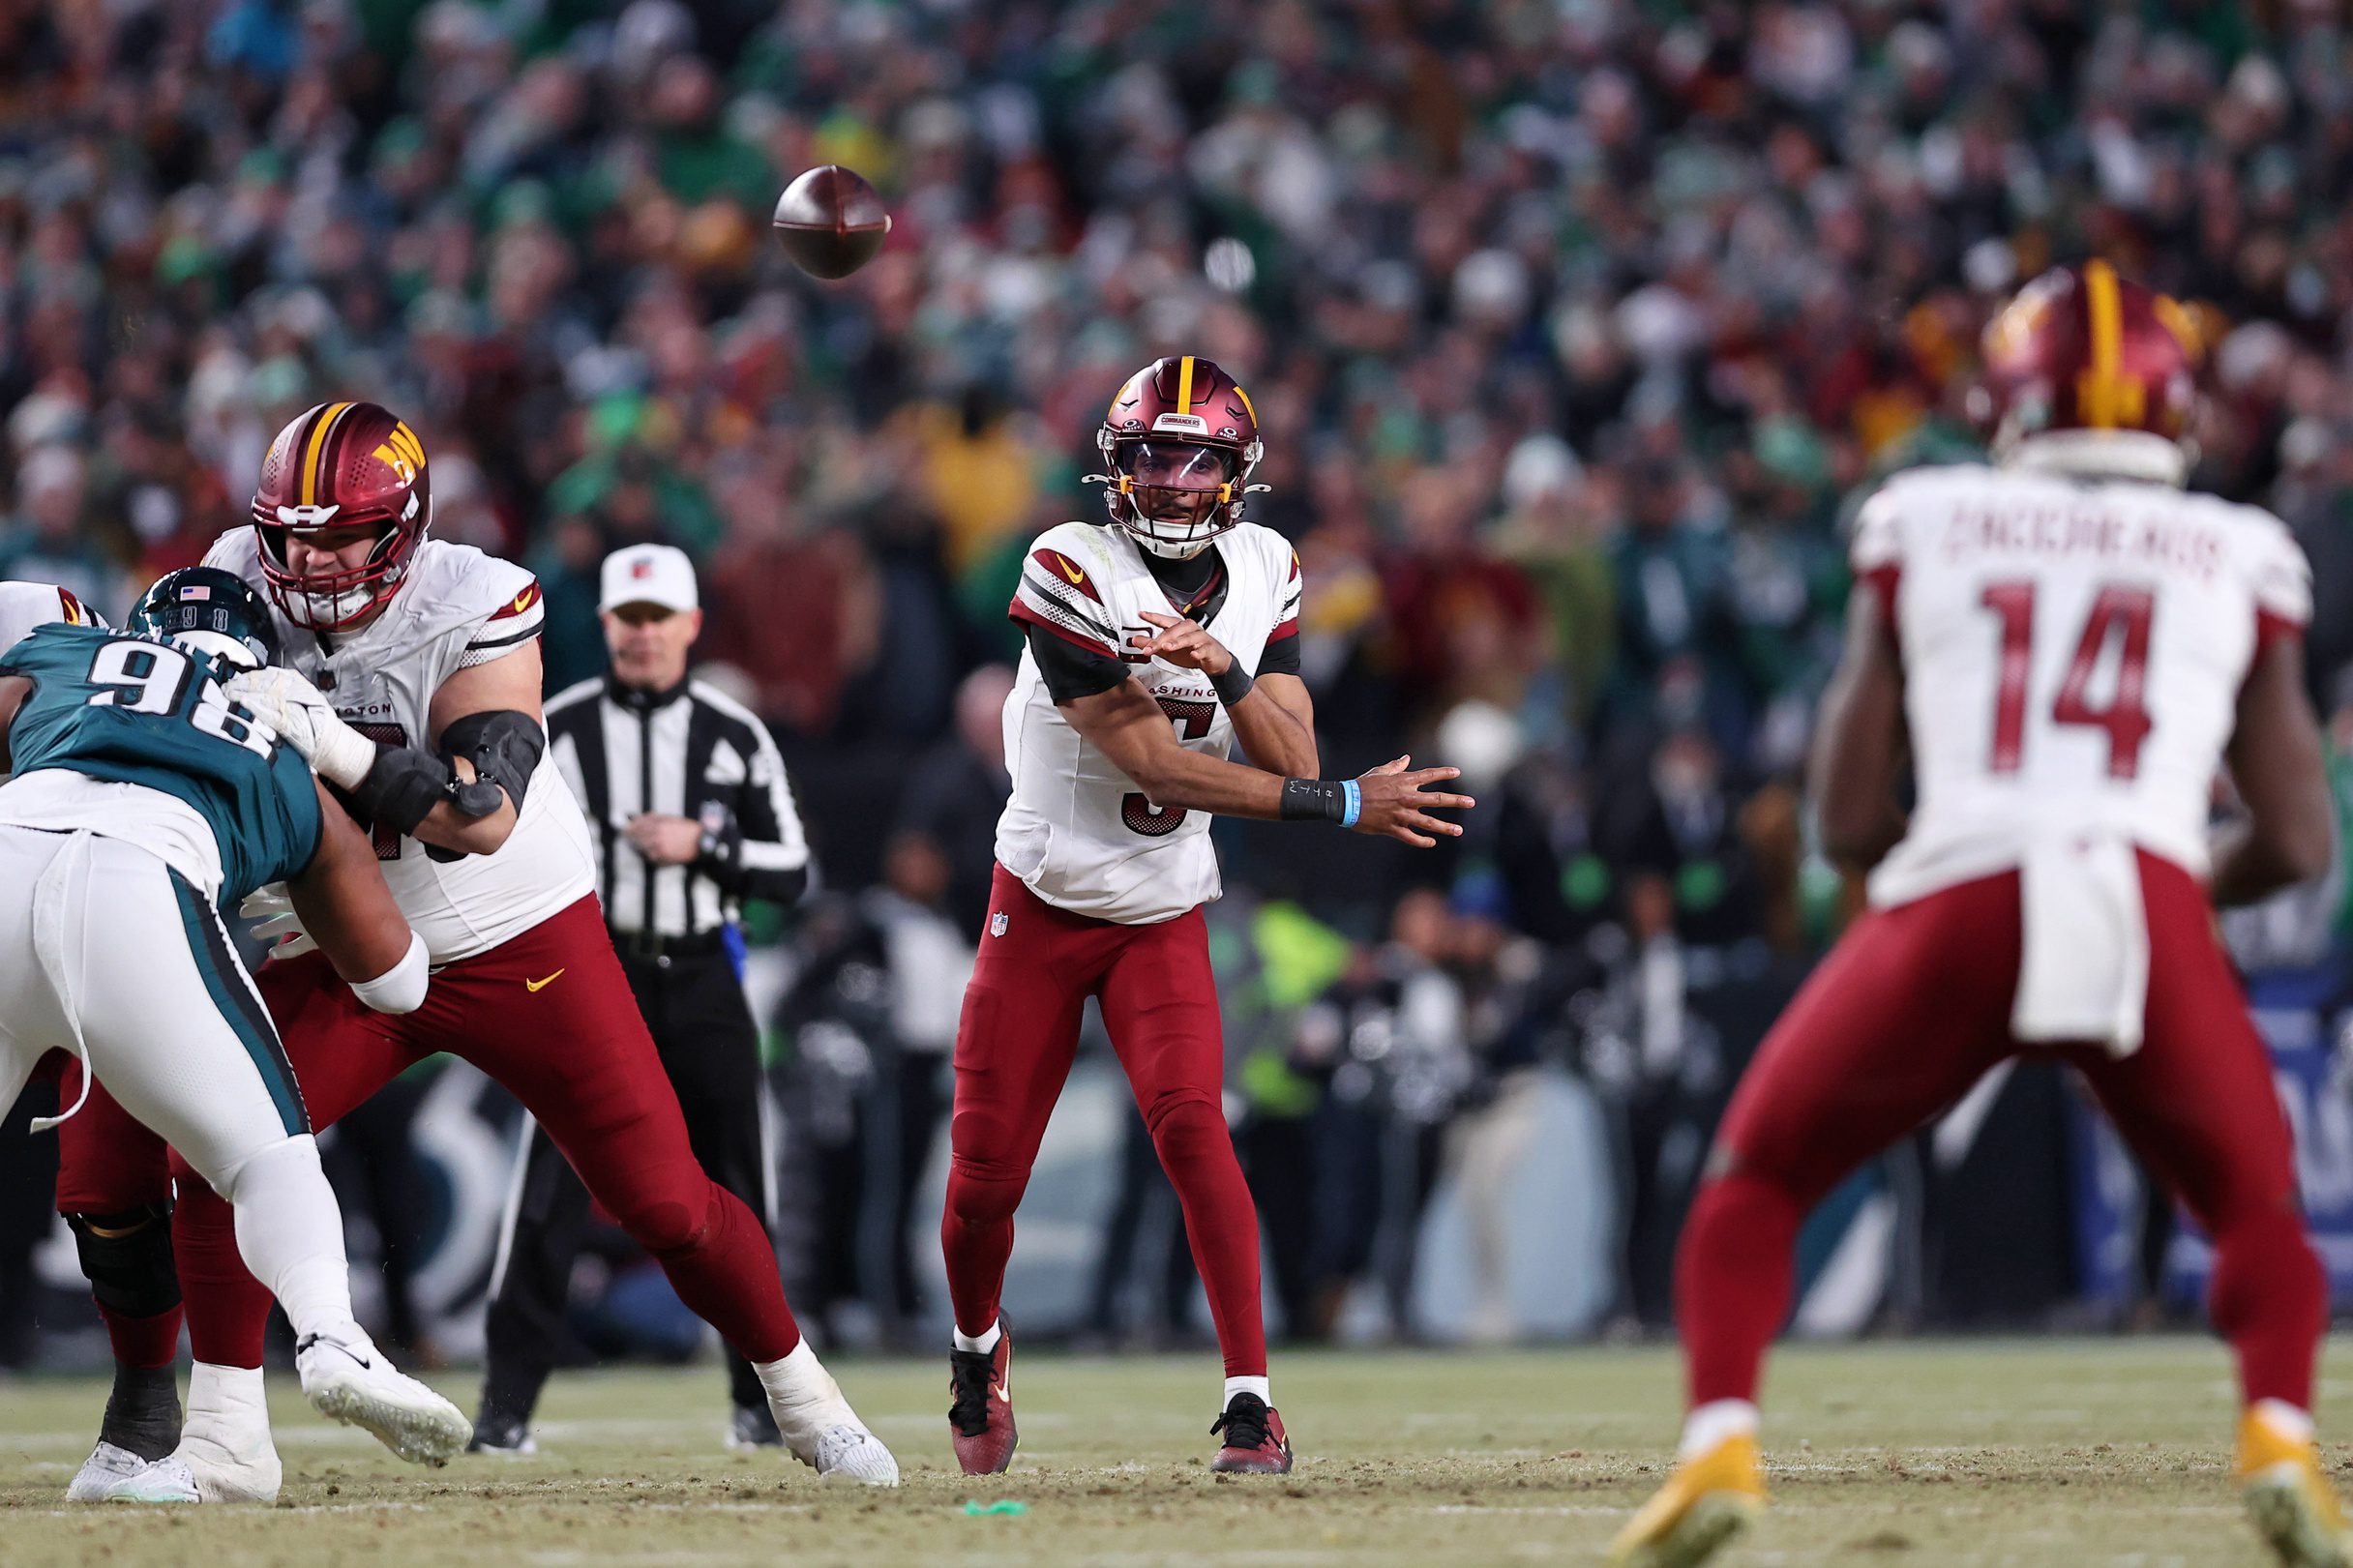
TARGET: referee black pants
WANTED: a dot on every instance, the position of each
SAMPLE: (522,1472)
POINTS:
(693,1007)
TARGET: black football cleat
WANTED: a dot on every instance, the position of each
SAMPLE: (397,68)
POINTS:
(754,1426)
(980,1411)
(1255,1442)
(501,1434)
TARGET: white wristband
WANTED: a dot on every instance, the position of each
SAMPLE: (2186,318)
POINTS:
(342,756)
(402,987)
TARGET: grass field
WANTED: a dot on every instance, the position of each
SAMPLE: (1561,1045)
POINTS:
(2043,1454)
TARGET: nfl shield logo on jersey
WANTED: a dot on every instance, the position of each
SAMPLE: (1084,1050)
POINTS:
(997,923)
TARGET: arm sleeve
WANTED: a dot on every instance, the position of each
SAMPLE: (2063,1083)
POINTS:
(1282,654)
(1072,671)
(761,852)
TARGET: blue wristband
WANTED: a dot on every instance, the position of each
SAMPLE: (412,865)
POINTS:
(1353,799)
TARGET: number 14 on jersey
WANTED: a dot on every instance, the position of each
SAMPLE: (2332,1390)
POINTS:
(2120,615)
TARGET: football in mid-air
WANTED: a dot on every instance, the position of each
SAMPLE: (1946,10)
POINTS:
(830,222)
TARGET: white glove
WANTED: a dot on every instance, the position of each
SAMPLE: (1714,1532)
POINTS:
(272,911)
(286,702)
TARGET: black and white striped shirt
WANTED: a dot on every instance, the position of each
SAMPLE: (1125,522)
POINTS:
(688,751)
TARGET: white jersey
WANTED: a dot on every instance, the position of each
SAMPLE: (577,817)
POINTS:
(458,609)
(1077,830)
(24,606)
(2072,653)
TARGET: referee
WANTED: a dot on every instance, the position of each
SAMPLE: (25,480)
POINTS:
(687,797)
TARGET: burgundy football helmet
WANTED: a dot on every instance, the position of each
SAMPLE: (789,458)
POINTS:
(1180,440)
(2083,350)
(342,466)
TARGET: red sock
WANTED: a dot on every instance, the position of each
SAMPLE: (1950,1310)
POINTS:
(976,1238)
(2270,1300)
(726,1273)
(1733,1272)
(227,1307)
(145,1342)
(1220,1221)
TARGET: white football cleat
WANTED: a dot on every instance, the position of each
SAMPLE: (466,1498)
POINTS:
(106,1467)
(818,1424)
(225,1454)
(353,1382)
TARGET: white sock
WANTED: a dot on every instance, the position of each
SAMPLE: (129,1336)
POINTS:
(2284,1419)
(797,1382)
(1712,1423)
(981,1344)
(1248,1386)
(290,1234)
(225,1406)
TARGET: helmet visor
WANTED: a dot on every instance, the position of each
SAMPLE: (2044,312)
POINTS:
(1178,482)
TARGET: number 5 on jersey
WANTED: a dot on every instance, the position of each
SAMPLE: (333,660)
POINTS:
(2126,717)
(1192,721)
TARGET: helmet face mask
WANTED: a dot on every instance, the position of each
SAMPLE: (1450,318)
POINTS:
(1174,491)
(337,475)
(1178,444)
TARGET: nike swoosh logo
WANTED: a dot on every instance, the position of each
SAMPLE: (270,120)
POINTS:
(522,599)
(1069,570)
(537,985)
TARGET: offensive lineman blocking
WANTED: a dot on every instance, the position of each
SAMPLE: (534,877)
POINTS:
(430,650)
(2078,647)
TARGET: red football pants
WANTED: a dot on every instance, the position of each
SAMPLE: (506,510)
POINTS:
(1014,1046)
(550,1016)
(1909,1010)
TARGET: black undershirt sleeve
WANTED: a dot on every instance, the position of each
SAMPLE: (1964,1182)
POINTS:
(1281,658)
(1071,671)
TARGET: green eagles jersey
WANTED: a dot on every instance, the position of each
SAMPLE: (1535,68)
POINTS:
(128,710)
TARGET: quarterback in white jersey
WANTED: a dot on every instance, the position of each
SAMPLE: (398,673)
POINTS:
(1077,830)
(417,694)
(1155,641)
(2077,649)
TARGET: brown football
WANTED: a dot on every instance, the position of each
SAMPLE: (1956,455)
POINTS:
(830,222)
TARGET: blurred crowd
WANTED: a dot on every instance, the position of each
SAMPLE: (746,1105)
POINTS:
(1575,328)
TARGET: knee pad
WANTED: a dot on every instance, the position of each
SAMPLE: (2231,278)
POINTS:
(127,1258)
(298,1153)
(1179,1110)
(666,1229)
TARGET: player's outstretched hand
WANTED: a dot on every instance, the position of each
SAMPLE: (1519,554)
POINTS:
(1396,804)
(1183,643)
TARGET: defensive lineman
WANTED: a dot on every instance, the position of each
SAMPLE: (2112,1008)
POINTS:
(2078,648)
(1155,644)
(142,800)
(415,690)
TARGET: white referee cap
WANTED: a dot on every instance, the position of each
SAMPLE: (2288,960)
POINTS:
(649,574)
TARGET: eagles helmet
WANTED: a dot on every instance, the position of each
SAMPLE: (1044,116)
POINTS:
(336,470)
(1180,440)
(216,613)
